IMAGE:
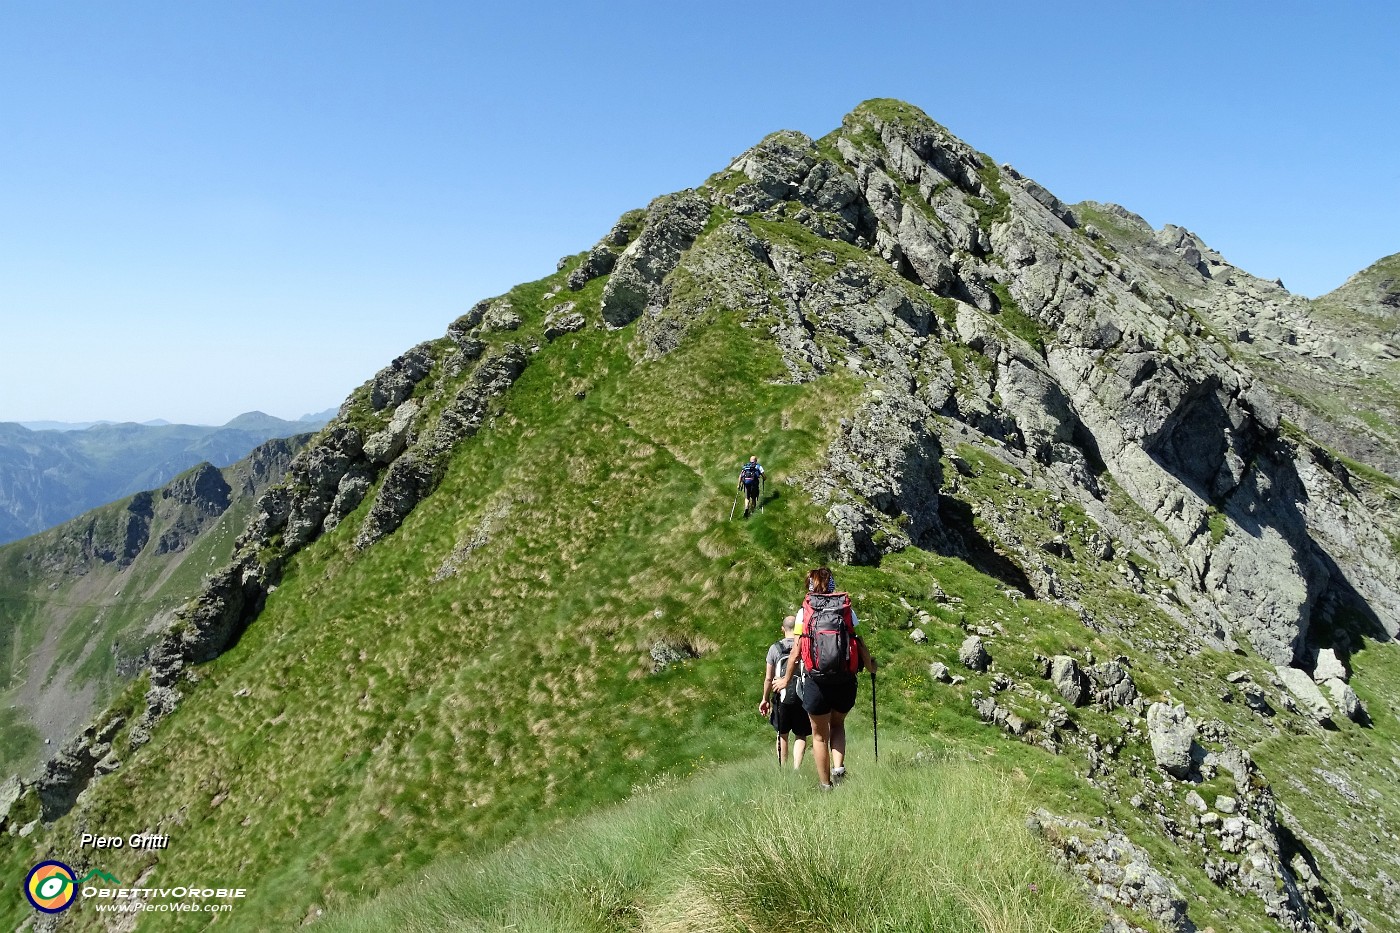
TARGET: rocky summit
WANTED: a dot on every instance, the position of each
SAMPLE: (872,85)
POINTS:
(1144,505)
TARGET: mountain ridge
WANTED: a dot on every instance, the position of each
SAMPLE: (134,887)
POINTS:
(81,603)
(1007,429)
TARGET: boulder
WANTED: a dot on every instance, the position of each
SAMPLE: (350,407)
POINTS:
(557,327)
(1068,679)
(1346,699)
(1172,733)
(973,655)
(1327,666)
(1309,698)
(918,637)
(667,651)
(1111,684)
(939,672)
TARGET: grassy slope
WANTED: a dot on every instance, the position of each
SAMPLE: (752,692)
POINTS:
(427,706)
(914,845)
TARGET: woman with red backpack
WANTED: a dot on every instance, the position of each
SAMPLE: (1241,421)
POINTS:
(829,655)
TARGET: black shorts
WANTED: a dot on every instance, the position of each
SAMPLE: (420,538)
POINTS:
(821,698)
(751,491)
(792,719)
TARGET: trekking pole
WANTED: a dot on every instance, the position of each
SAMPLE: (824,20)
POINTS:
(874,719)
(762,485)
(735,505)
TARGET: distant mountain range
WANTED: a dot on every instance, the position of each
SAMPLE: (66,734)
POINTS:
(48,476)
(319,417)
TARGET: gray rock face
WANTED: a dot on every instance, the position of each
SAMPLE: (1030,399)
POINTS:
(68,773)
(383,446)
(415,473)
(10,791)
(395,382)
(599,261)
(638,280)
(974,655)
(1172,733)
(1069,680)
(408,480)
(1112,369)
(939,672)
(319,470)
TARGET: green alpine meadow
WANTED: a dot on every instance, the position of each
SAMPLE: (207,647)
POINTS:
(1121,523)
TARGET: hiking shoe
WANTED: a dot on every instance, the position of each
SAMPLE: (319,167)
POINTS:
(838,774)
(824,787)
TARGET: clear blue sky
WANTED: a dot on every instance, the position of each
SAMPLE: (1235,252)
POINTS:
(207,208)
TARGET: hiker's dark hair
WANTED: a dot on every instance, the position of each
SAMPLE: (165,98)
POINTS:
(821,581)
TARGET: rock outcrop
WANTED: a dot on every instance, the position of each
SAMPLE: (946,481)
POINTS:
(1173,736)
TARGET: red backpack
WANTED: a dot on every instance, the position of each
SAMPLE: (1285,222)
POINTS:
(829,637)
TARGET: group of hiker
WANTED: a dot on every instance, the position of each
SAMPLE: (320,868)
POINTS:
(809,678)
(809,675)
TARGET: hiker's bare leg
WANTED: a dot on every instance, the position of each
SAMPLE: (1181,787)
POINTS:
(799,745)
(821,746)
(838,739)
(782,748)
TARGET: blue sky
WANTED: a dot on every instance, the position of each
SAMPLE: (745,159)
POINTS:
(208,208)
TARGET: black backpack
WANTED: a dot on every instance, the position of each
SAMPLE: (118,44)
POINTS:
(787,696)
(750,474)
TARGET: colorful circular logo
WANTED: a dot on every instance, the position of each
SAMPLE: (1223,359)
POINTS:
(51,887)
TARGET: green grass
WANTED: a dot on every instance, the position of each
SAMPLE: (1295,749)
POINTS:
(1010,315)
(997,208)
(745,847)
(1218,525)
(20,742)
